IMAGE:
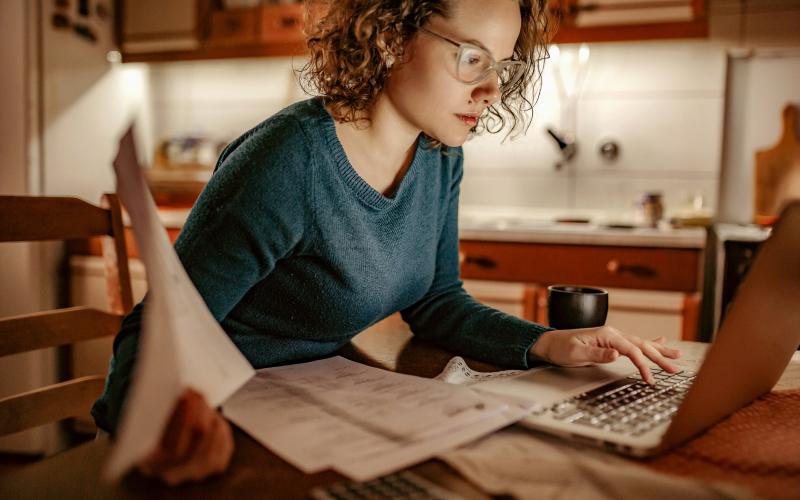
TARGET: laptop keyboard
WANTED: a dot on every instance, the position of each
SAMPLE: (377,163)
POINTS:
(628,406)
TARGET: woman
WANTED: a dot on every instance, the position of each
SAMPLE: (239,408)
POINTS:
(341,210)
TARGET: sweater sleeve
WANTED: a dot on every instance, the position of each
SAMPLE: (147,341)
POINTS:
(451,318)
(253,212)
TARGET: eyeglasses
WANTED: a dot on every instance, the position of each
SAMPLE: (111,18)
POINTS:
(474,64)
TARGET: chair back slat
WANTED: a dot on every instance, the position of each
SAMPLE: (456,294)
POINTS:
(119,289)
(56,218)
(55,328)
(32,218)
(49,404)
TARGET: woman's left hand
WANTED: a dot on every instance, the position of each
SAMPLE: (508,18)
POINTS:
(587,346)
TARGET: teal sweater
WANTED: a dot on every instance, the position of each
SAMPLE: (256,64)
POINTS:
(294,254)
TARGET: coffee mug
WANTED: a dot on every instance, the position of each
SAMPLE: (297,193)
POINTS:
(574,306)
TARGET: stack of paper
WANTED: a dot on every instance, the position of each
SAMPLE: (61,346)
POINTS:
(364,422)
(181,344)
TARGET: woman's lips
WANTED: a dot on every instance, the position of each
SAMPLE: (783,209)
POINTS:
(468,119)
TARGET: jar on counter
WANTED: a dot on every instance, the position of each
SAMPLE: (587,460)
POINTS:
(652,208)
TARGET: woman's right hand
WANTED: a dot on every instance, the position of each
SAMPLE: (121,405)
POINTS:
(603,344)
(197,443)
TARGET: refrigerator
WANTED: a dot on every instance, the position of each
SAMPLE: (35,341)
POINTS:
(759,83)
(65,101)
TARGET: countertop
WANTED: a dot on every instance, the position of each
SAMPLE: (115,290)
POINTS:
(539,226)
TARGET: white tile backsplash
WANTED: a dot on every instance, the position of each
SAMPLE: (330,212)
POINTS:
(619,194)
(514,188)
(221,99)
(656,68)
(662,101)
(656,133)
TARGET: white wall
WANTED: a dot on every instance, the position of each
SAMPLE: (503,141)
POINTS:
(662,101)
(61,117)
(220,99)
(760,85)
(87,103)
(23,290)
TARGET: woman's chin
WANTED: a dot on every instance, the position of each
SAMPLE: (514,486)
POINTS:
(453,140)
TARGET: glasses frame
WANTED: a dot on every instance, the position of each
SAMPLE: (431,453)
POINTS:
(494,65)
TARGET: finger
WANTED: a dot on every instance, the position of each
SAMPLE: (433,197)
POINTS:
(650,350)
(656,351)
(177,432)
(209,457)
(221,449)
(153,462)
(190,467)
(660,339)
(627,348)
(189,422)
(200,423)
(667,351)
(599,354)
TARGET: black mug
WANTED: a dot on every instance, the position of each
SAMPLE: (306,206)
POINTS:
(572,306)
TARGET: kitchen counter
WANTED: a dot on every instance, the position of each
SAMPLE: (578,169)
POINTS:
(588,234)
(540,226)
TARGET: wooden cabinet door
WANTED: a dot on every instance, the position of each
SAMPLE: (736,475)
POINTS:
(618,20)
(146,26)
(534,266)
(671,269)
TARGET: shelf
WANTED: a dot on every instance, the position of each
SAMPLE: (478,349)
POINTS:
(264,50)
(634,32)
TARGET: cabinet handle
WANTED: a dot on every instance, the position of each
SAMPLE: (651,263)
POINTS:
(233,24)
(288,22)
(484,262)
(615,267)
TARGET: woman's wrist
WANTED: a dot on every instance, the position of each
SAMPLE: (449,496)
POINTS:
(538,351)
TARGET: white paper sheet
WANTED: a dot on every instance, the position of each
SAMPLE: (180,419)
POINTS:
(458,372)
(791,375)
(363,421)
(181,344)
(523,465)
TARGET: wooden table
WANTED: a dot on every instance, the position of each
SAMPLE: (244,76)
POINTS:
(254,471)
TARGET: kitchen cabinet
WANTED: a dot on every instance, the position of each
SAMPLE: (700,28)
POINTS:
(538,265)
(153,31)
(154,27)
(202,29)
(620,20)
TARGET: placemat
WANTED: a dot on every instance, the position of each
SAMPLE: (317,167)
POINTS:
(757,447)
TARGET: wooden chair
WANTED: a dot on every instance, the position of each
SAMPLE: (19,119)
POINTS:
(30,218)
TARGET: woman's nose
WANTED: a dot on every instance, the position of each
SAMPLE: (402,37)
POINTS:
(488,91)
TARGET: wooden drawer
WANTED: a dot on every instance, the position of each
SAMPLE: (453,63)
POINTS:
(281,23)
(234,27)
(675,269)
(265,24)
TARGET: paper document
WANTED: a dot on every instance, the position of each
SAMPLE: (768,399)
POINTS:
(458,372)
(181,344)
(520,464)
(362,421)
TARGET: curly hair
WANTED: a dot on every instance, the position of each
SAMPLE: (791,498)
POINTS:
(353,43)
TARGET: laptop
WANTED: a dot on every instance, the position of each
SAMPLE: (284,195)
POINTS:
(611,407)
